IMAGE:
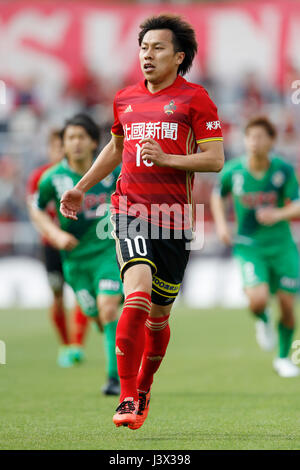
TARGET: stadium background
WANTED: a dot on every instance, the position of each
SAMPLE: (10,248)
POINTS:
(58,58)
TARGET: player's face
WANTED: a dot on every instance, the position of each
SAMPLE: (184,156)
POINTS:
(158,59)
(78,145)
(55,150)
(258,142)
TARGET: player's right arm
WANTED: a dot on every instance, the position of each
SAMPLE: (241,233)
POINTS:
(57,237)
(218,207)
(108,159)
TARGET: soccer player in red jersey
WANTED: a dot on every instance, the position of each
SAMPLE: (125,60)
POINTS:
(67,354)
(159,125)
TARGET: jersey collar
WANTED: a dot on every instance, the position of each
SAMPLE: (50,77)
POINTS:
(176,84)
(65,164)
(257,178)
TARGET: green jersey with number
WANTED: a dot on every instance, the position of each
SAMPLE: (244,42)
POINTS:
(92,229)
(276,186)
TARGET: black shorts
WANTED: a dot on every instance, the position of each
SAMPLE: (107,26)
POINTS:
(54,269)
(165,251)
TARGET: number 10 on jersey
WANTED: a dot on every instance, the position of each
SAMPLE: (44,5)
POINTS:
(138,157)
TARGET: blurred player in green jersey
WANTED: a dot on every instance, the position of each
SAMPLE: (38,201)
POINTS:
(265,194)
(71,336)
(88,254)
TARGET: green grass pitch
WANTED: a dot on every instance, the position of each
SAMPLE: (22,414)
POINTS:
(214,390)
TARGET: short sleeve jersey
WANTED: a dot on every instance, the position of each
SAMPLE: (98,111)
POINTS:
(179,118)
(278,186)
(95,208)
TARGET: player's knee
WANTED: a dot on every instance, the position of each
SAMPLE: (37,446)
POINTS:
(158,311)
(108,307)
(138,278)
(108,315)
(258,304)
(138,288)
(108,312)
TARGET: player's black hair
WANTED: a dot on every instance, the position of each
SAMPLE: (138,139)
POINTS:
(184,38)
(262,121)
(87,123)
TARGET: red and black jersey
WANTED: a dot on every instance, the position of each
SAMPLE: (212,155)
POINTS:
(178,117)
(32,191)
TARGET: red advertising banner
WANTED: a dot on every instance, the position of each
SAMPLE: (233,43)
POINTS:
(57,42)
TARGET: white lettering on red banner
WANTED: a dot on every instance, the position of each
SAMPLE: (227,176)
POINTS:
(37,37)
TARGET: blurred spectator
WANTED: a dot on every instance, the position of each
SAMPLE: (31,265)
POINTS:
(11,197)
(25,96)
(11,201)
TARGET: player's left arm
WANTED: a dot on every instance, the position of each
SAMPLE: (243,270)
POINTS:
(211,158)
(272,215)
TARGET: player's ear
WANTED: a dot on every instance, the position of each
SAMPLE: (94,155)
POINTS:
(180,57)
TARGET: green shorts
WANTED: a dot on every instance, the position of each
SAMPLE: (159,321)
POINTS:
(280,271)
(92,277)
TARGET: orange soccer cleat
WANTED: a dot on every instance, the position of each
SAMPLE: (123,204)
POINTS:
(143,409)
(126,413)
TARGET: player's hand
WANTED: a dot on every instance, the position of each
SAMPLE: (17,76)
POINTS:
(225,235)
(65,241)
(152,151)
(70,203)
(268,215)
